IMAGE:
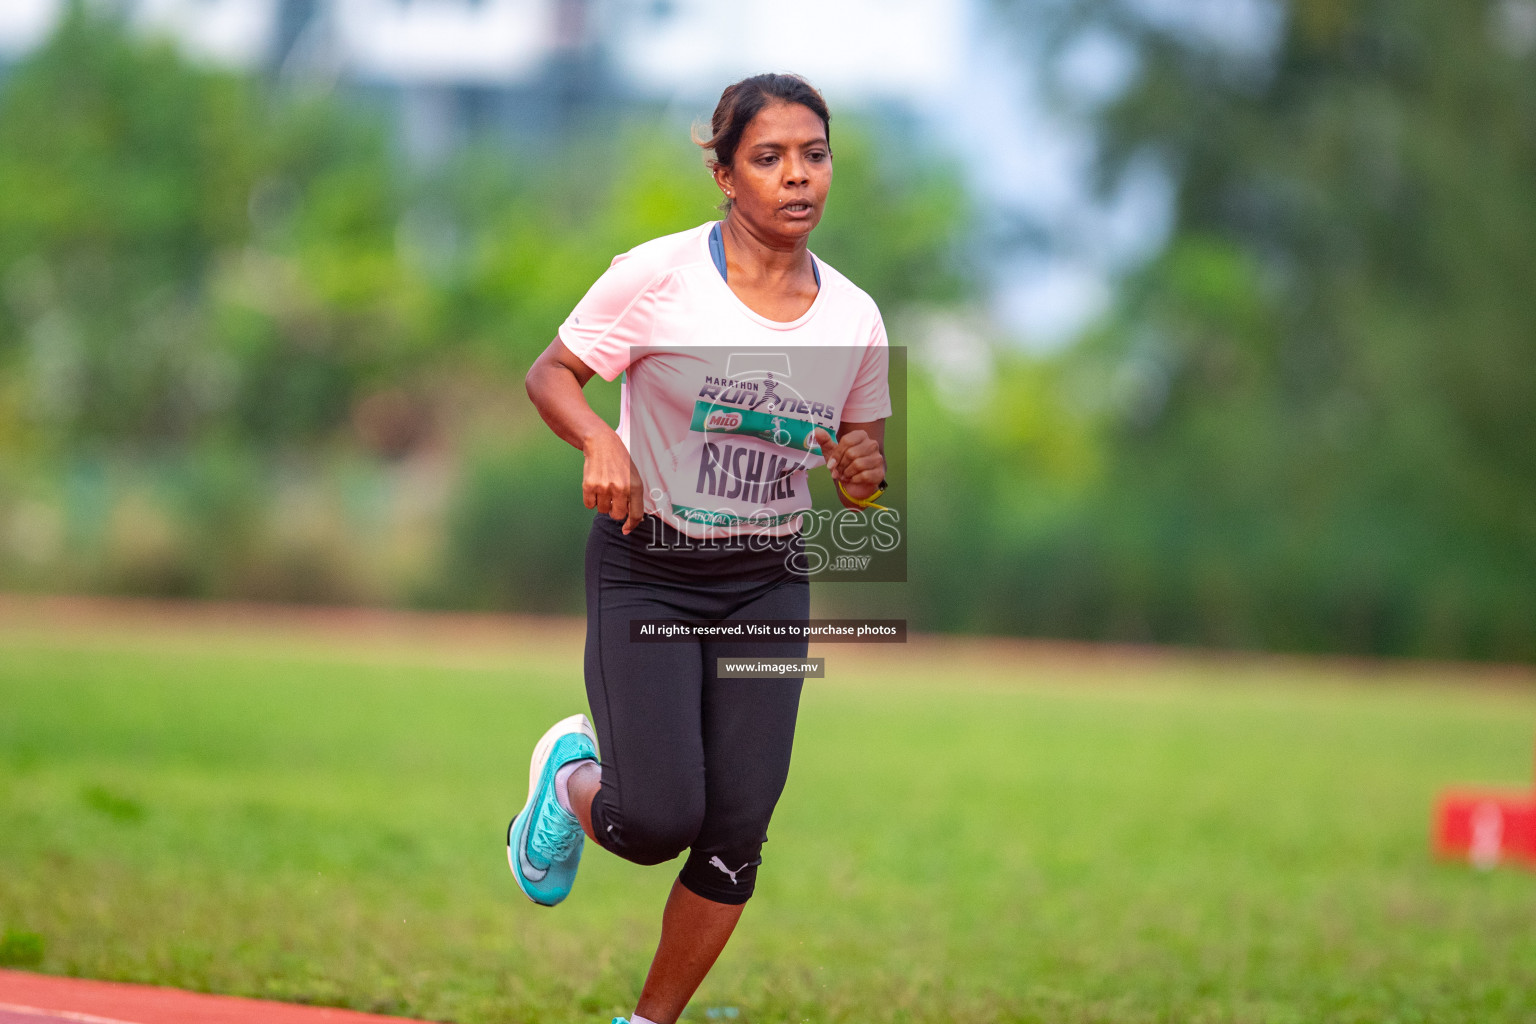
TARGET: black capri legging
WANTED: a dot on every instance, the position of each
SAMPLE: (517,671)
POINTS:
(690,761)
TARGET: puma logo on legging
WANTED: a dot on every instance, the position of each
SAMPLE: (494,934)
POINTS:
(717,862)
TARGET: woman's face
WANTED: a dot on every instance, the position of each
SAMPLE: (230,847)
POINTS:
(782,170)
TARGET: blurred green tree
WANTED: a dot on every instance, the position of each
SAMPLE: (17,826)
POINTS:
(1320,398)
(181,252)
(248,350)
(122,173)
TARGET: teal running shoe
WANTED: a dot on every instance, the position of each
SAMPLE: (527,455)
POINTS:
(544,841)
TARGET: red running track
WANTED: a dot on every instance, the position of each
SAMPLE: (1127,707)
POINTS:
(44,999)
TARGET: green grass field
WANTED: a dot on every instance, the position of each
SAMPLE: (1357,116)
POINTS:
(969,834)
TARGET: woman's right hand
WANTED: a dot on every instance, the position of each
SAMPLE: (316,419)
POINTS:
(610,483)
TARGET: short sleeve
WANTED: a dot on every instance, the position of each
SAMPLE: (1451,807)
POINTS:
(870,397)
(613,317)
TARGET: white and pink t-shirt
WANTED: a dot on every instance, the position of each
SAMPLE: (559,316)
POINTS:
(718,403)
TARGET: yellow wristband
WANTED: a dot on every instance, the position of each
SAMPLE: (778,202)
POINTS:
(868,502)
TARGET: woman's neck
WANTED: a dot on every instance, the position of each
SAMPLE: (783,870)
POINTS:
(757,258)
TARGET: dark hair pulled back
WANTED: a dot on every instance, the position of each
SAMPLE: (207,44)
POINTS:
(741,102)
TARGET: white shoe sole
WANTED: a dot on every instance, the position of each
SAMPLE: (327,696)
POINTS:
(541,749)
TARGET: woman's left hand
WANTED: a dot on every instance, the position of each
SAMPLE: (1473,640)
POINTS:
(855,461)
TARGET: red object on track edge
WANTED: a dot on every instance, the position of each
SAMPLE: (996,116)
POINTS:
(1486,827)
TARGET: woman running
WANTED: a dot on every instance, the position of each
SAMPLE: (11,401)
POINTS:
(746,361)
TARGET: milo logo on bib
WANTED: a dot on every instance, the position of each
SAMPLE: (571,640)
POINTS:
(784,431)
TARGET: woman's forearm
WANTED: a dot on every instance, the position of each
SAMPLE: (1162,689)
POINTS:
(556,391)
(609,481)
